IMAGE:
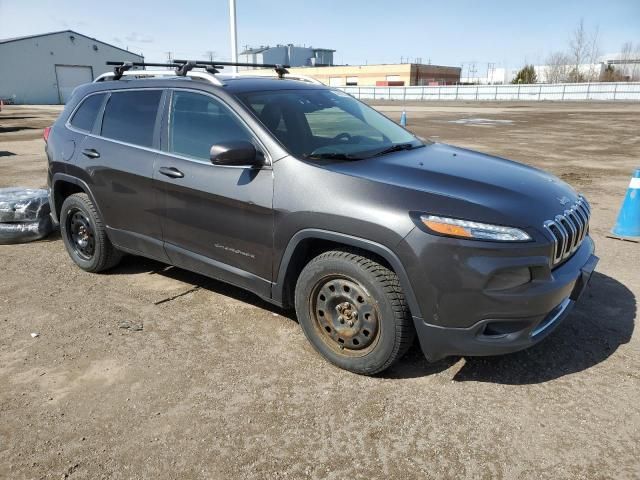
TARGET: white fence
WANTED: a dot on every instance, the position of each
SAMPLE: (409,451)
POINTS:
(535,92)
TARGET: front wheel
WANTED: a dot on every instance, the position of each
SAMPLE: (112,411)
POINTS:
(353,311)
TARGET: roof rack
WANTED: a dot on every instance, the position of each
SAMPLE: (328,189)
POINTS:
(181,68)
(281,70)
(294,76)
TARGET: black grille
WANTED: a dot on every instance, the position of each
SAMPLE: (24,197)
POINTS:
(569,229)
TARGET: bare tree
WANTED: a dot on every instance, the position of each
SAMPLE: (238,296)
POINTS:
(635,72)
(578,51)
(625,69)
(593,55)
(584,47)
(558,68)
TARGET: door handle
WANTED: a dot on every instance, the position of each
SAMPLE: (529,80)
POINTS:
(171,172)
(91,153)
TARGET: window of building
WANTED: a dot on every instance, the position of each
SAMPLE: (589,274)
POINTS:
(352,81)
(393,78)
(130,116)
(85,116)
(199,121)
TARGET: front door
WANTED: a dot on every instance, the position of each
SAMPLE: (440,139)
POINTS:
(217,220)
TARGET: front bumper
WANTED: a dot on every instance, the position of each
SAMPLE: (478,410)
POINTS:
(506,321)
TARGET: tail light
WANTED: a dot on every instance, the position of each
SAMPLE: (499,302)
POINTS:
(45,134)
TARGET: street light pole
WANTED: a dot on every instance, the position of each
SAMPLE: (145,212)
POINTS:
(234,35)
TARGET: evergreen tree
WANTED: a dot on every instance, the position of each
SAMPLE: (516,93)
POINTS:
(526,75)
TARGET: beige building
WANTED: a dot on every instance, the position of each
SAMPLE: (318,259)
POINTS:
(396,74)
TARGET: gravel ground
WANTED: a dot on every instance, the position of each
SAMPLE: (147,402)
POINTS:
(153,372)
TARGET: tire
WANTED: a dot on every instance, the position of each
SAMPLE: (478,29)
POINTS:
(353,311)
(85,236)
(24,232)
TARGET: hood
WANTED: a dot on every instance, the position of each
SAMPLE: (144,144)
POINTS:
(493,188)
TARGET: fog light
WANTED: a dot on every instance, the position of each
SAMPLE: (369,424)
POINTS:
(509,278)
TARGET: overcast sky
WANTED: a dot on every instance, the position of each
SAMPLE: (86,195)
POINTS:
(506,33)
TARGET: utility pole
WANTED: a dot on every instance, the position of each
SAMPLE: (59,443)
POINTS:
(234,35)
(169,57)
(210,54)
(491,67)
(472,71)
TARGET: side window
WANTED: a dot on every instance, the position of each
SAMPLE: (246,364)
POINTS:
(130,116)
(198,121)
(86,114)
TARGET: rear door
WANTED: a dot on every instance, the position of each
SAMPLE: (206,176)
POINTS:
(118,159)
(217,220)
(69,77)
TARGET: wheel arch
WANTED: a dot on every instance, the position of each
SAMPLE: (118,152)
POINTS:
(64,185)
(308,243)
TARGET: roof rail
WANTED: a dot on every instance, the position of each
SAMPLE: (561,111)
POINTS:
(161,73)
(181,68)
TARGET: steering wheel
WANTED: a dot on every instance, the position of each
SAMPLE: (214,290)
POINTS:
(343,136)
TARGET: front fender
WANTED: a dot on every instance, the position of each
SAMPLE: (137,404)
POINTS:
(352,241)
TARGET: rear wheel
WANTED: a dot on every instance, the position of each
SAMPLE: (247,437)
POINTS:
(353,311)
(85,236)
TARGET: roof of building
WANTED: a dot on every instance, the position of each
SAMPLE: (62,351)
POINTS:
(249,51)
(26,37)
(262,48)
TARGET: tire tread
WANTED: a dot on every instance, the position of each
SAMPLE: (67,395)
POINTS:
(109,256)
(387,278)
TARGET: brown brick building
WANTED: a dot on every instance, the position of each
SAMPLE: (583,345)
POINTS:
(385,74)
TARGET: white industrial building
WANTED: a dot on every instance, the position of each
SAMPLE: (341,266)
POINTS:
(628,68)
(45,68)
(290,54)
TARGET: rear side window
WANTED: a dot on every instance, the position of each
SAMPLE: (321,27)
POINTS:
(86,114)
(131,116)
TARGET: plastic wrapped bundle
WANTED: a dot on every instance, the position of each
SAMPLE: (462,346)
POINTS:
(23,204)
(25,215)
(25,231)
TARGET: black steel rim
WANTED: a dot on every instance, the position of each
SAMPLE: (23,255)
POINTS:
(345,315)
(80,234)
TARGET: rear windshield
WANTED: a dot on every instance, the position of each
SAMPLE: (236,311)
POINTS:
(327,124)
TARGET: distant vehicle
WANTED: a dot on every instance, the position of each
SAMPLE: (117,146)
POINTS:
(313,200)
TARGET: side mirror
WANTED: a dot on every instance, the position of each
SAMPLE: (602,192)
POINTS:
(236,154)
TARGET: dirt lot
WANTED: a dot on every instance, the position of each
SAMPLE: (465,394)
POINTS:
(208,381)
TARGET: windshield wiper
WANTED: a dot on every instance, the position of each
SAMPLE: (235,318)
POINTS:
(334,156)
(396,148)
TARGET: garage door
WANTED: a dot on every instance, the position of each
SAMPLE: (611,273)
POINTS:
(69,77)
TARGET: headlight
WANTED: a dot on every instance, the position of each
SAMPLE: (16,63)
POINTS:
(453,227)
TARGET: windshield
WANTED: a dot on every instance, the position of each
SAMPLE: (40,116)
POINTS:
(327,124)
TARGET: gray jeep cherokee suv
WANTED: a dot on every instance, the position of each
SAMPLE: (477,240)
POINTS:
(311,199)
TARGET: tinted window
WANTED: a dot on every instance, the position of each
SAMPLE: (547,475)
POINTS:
(85,116)
(199,121)
(131,116)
